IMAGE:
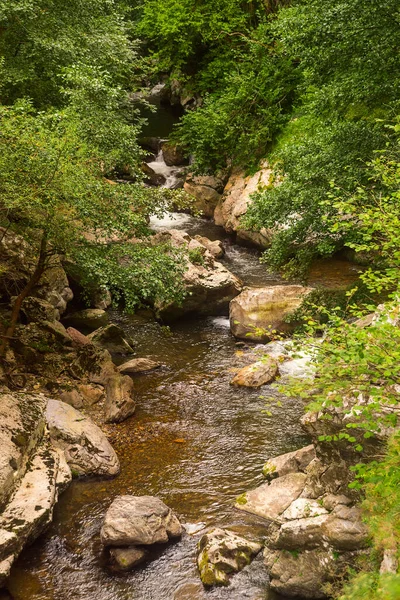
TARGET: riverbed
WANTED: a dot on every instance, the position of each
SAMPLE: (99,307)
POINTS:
(195,441)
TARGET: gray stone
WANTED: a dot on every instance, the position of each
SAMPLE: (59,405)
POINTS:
(344,529)
(259,312)
(89,319)
(270,500)
(297,574)
(139,520)
(331,501)
(302,533)
(291,462)
(303,508)
(139,365)
(222,553)
(86,448)
(215,248)
(257,374)
(112,338)
(119,403)
(125,559)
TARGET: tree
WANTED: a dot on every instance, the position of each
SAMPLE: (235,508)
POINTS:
(54,193)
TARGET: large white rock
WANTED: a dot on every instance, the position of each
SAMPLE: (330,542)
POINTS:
(235,202)
(139,520)
(31,507)
(86,448)
(22,425)
(257,313)
(270,500)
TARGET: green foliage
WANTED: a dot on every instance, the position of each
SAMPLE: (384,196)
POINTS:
(381,483)
(371,218)
(349,82)
(42,41)
(182,32)
(196,256)
(52,188)
(252,89)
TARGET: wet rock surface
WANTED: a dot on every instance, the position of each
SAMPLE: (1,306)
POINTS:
(257,374)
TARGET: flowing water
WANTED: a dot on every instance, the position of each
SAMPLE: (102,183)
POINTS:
(194,441)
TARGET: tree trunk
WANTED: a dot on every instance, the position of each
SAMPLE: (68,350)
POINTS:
(36,275)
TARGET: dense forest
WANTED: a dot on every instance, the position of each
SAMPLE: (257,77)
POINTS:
(310,86)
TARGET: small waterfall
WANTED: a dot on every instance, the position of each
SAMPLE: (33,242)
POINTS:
(171,174)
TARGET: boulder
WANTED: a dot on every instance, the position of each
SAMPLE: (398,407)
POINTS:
(259,312)
(291,462)
(138,365)
(215,248)
(112,338)
(235,202)
(257,374)
(220,553)
(86,448)
(344,529)
(119,403)
(78,339)
(173,155)
(304,533)
(209,285)
(93,363)
(139,521)
(151,177)
(72,397)
(37,310)
(88,319)
(299,574)
(270,500)
(22,426)
(125,559)
(206,191)
(58,331)
(31,508)
(91,393)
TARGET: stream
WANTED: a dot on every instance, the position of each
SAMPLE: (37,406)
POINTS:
(194,441)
